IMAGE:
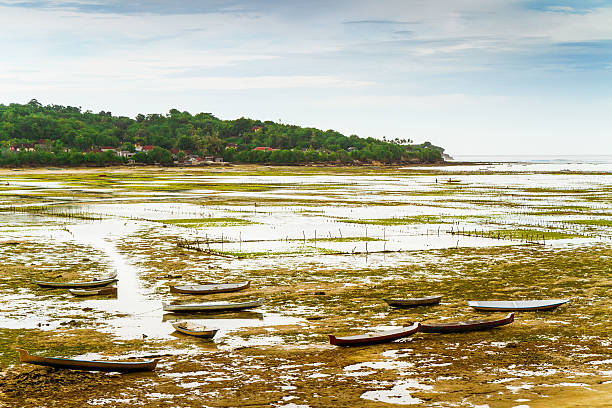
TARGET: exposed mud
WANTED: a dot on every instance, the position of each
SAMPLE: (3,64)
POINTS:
(318,274)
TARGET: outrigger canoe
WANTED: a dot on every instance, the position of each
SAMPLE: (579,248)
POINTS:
(89,365)
(109,290)
(413,302)
(517,305)
(470,325)
(211,306)
(374,337)
(210,288)
(89,284)
(192,330)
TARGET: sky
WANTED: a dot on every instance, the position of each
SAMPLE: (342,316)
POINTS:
(473,76)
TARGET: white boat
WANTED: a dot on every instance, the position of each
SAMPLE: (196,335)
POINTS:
(211,306)
(88,284)
(210,288)
(517,305)
(107,290)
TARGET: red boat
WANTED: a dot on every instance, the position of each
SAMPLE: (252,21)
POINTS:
(470,325)
(375,337)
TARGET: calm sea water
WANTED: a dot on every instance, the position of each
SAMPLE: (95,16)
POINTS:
(569,159)
(592,163)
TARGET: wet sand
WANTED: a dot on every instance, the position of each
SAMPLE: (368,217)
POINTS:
(323,251)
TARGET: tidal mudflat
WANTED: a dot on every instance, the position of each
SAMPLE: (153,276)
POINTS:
(323,246)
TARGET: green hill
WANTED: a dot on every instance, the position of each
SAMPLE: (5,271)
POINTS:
(33,134)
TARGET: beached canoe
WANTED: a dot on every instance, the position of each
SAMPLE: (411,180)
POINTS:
(470,325)
(193,330)
(517,305)
(89,365)
(210,288)
(374,337)
(108,290)
(225,315)
(413,302)
(211,306)
(88,284)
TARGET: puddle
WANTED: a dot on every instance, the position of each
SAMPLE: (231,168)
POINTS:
(398,394)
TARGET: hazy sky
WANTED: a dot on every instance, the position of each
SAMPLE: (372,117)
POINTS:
(474,76)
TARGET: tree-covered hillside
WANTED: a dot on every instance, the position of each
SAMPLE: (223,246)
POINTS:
(64,135)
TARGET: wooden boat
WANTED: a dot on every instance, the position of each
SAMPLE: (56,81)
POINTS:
(192,330)
(450,180)
(108,290)
(89,284)
(412,302)
(517,305)
(470,325)
(374,337)
(211,306)
(210,288)
(89,365)
(228,314)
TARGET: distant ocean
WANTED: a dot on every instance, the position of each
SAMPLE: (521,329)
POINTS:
(589,163)
(553,159)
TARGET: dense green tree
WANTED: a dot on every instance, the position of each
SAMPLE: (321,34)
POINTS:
(57,128)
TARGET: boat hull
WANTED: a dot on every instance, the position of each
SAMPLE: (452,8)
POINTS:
(517,306)
(203,334)
(211,307)
(94,292)
(374,338)
(90,284)
(210,288)
(470,325)
(107,366)
(424,301)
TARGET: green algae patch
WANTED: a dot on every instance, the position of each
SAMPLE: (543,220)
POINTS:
(418,219)
(344,239)
(60,343)
(221,187)
(529,234)
(545,190)
(207,222)
(594,223)
(51,211)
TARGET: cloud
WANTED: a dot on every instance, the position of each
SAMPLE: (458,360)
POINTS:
(383,22)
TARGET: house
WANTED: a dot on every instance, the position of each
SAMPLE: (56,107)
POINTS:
(107,149)
(214,159)
(231,146)
(147,148)
(193,160)
(43,144)
(24,147)
(125,153)
(257,128)
(264,149)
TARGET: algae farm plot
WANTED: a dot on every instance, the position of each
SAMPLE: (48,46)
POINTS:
(323,247)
